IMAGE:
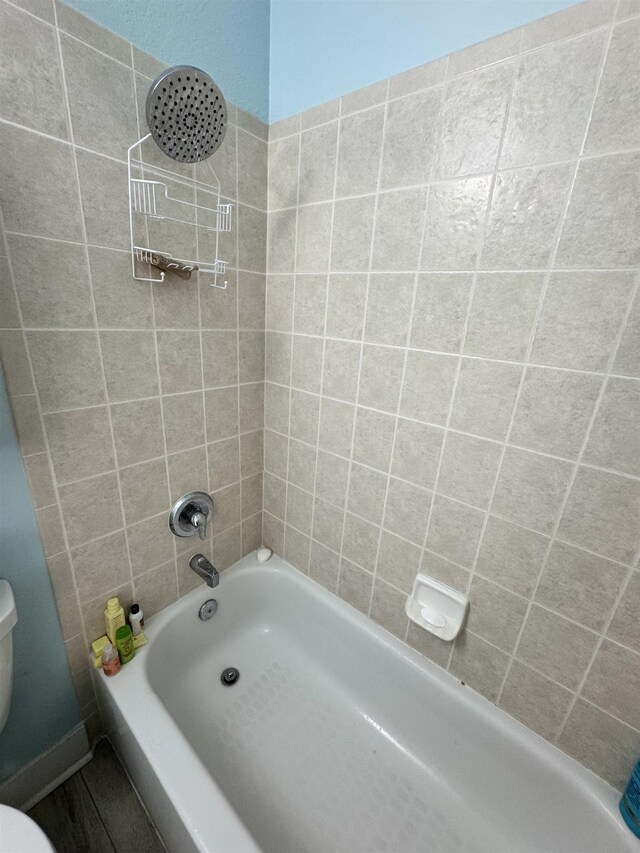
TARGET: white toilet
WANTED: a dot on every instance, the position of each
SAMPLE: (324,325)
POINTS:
(18,833)
(8,619)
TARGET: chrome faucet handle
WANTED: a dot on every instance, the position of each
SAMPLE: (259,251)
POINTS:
(191,514)
(199,521)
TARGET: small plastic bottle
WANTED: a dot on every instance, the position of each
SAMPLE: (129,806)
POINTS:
(113,618)
(136,620)
(630,802)
(124,644)
(110,660)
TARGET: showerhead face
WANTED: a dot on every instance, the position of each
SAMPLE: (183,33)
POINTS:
(186,114)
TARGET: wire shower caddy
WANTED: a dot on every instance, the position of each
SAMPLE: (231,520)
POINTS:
(150,199)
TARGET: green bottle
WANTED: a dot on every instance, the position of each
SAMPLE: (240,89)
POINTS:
(124,644)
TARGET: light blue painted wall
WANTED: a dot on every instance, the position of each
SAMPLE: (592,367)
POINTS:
(229,39)
(321,49)
(44,706)
(275,58)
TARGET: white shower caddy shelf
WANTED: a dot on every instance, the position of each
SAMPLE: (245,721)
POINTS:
(149,197)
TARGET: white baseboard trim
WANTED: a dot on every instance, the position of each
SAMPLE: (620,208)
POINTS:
(33,782)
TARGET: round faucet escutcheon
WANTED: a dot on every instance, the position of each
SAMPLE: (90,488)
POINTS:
(229,676)
(190,515)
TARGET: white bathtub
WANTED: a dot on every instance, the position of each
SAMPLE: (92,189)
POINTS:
(337,737)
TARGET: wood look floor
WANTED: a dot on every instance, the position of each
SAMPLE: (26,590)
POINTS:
(97,811)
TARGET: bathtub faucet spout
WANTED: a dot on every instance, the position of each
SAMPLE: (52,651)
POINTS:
(204,569)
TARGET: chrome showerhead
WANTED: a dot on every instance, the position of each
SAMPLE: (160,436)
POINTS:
(186,114)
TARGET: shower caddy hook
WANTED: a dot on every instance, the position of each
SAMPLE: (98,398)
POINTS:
(187,118)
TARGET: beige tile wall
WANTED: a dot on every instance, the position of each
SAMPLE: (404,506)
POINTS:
(453,363)
(125,394)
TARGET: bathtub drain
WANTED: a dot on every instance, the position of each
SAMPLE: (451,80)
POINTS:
(229,676)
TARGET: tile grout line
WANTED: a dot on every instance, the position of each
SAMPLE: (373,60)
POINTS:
(551,265)
(151,291)
(143,521)
(455,431)
(433,424)
(625,582)
(457,500)
(238,349)
(200,285)
(387,475)
(452,179)
(523,372)
(571,37)
(154,330)
(501,649)
(557,684)
(47,451)
(429,514)
(290,353)
(143,399)
(146,459)
(52,473)
(94,312)
(95,153)
(370,342)
(602,637)
(361,342)
(578,464)
(264,372)
(444,557)
(44,430)
(324,346)
(289,384)
(54,25)
(537,165)
(467,320)
(425,219)
(505,271)
(206,476)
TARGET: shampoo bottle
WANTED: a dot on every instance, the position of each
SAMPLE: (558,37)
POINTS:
(113,618)
(124,644)
(630,802)
(136,619)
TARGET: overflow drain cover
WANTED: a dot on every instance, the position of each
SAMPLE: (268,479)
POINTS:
(229,676)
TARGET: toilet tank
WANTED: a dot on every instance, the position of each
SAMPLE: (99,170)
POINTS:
(8,618)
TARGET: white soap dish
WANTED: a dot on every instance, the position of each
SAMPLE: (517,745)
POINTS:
(437,608)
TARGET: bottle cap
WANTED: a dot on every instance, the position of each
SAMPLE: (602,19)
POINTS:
(113,605)
(123,632)
(135,608)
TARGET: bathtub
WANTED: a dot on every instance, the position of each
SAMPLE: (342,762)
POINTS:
(336,737)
